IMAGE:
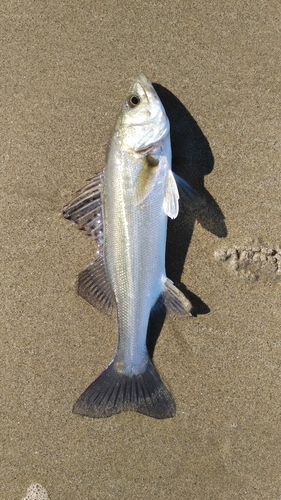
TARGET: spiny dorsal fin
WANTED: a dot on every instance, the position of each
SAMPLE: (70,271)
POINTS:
(94,287)
(86,208)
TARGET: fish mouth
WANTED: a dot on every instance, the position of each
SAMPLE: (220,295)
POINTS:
(146,86)
(144,81)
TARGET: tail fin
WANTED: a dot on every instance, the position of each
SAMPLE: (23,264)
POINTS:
(113,392)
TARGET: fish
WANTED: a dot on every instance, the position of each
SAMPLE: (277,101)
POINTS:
(125,209)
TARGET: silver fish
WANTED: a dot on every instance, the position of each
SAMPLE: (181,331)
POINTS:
(125,208)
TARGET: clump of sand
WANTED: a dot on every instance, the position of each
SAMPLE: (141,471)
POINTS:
(252,260)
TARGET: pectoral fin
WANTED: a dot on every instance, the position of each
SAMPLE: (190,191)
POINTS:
(147,178)
(171,199)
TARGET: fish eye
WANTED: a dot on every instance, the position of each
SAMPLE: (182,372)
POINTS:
(134,100)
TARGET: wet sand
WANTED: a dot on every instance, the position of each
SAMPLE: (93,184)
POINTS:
(66,67)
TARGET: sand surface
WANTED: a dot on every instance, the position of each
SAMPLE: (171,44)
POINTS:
(65,69)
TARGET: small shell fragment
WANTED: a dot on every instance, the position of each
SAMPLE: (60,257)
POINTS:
(36,492)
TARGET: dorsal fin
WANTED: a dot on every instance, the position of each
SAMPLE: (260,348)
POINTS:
(86,208)
(86,211)
(94,286)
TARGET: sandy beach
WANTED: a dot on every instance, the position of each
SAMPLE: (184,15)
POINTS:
(65,70)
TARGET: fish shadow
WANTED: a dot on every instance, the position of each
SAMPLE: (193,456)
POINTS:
(192,159)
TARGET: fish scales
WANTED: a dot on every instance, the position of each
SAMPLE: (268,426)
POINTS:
(125,208)
(134,253)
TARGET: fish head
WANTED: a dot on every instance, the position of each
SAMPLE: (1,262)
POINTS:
(142,122)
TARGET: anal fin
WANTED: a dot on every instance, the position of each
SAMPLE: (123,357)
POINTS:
(175,300)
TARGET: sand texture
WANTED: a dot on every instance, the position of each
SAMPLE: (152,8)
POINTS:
(65,69)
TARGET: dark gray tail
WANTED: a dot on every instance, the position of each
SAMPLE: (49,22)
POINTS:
(113,392)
